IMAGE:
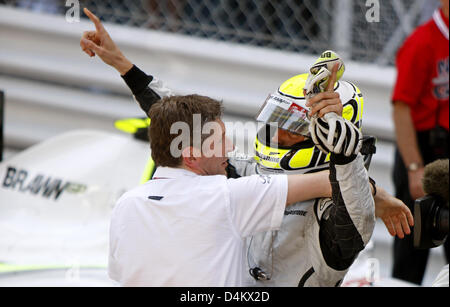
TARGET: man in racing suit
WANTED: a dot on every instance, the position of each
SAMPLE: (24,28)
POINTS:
(319,239)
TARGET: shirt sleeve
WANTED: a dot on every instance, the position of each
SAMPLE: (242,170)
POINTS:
(257,203)
(413,69)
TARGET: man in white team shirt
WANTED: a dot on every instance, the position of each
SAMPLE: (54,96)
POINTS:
(187,226)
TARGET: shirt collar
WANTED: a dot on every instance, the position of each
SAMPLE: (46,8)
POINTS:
(441,22)
(172,173)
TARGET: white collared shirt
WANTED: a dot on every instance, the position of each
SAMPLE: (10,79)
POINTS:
(182,229)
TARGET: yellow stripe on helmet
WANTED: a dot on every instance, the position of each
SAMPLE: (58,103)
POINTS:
(267,156)
(293,87)
(348,112)
(271,157)
(302,158)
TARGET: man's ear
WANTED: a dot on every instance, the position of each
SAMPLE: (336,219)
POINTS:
(190,156)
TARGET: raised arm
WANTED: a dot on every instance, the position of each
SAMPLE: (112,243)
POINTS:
(146,89)
(99,43)
(346,223)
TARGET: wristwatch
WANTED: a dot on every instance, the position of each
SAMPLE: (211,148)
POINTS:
(412,167)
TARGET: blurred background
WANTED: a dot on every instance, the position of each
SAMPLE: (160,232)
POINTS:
(236,51)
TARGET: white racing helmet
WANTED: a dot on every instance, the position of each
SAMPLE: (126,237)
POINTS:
(304,156)
(286,108)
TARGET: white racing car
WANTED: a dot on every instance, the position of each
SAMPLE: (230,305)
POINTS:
(55,202)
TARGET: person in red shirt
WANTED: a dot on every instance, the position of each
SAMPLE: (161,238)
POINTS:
(421,117)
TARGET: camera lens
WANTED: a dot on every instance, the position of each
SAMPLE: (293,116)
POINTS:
(441,225)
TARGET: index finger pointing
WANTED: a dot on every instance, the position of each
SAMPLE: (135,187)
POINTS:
(94,19)
(333,78)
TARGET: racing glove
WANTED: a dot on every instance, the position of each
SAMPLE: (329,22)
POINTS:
(320,72)
(332,133)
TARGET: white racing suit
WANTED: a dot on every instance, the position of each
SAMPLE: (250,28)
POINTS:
(319,239)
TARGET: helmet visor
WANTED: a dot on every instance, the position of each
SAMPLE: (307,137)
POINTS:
(285,113)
